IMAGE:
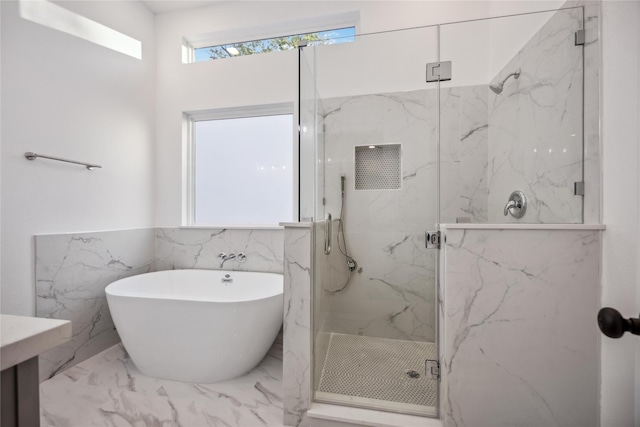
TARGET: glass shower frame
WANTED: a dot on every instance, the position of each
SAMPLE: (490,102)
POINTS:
(394,108)
(454,170)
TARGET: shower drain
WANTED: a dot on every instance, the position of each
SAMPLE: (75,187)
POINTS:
(413,374)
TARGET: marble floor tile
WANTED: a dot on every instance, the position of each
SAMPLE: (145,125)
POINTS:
(108,390)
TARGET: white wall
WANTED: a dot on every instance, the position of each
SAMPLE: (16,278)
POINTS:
(265,79)
(620,400)
(66,97)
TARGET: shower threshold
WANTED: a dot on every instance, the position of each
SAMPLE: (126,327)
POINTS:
(378,373)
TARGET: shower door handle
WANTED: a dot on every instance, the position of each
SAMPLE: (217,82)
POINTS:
(328,234)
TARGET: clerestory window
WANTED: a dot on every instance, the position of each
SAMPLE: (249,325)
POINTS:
(275,44)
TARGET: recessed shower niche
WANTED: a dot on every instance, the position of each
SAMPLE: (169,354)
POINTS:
(378,167)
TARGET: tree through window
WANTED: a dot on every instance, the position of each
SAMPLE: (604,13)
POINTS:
(276,44)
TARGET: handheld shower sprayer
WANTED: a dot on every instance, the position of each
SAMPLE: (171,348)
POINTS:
(342,242)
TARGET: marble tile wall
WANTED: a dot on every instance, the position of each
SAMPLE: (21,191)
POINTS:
(536,127)
(296,358)
(393,295)
(464,153)
(178,248)
(520,341)
(72,271)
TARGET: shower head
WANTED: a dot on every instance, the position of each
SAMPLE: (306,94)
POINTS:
(497,88)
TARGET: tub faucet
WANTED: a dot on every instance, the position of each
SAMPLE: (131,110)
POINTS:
(224,257)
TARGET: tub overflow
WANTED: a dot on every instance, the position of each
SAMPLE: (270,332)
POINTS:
(227,279)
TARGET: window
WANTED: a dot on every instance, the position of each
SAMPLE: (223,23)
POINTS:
(340,35)
(242,169)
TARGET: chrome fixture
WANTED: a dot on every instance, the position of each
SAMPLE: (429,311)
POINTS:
(227,279)
(223,257)
(517,205)
(32,156)
(351,263)
(328,234)
(432,239)
(497,88)
(438,71)
(413,374)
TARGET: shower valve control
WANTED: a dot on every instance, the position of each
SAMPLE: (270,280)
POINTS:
(432,239)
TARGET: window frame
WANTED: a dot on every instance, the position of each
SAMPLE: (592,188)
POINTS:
(189,120)
(267,31)
(193,54)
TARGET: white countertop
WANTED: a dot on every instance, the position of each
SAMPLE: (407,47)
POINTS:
(22,337)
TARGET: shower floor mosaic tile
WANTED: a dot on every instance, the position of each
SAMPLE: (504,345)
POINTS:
(108,390)
(378,372)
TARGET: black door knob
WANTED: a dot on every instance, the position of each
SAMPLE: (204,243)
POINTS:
(613,325)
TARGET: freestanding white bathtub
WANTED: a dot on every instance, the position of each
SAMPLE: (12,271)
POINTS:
(189,325)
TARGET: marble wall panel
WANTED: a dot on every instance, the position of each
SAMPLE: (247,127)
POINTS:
(390,293)
(520,340)
(463,154)
(298,245)
(536,126)
(178,248)
(72,271)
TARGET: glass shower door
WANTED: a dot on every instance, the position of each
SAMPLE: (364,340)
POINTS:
(512,119)
(375,282)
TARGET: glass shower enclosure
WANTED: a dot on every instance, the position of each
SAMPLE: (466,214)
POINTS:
(373,126)
(386,156)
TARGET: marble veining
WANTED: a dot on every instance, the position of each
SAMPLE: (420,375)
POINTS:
(178,248)
(297,325)
(108,390)
(520,346)
(384,229)
(377,299)
(72,271)
(536,127)
(464,153)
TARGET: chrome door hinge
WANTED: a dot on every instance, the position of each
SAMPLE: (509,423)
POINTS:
(580,38)
(578,188)
(432,368)
(438,71)
(432,239)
